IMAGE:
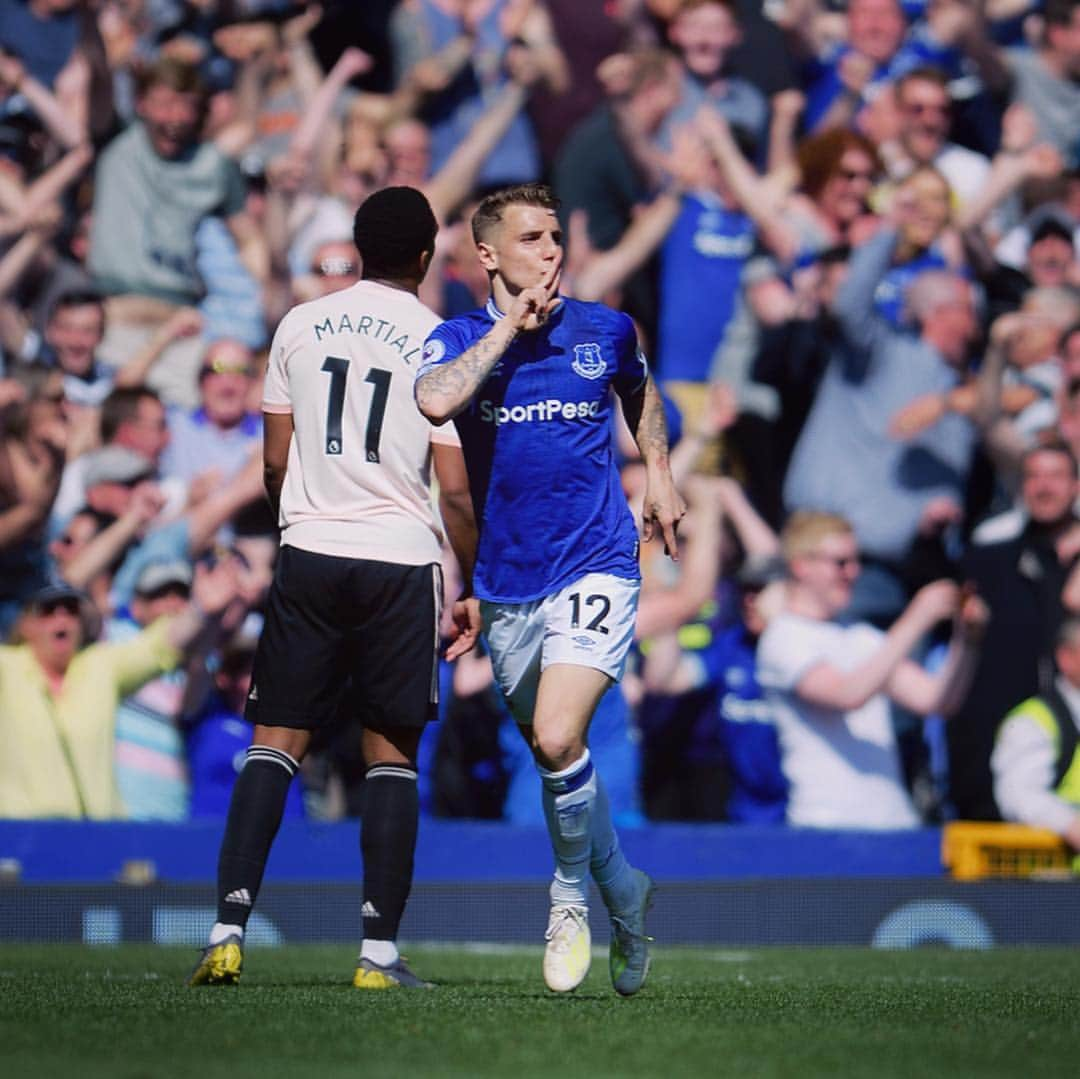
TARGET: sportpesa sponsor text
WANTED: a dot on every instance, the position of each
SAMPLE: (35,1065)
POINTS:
(538,411)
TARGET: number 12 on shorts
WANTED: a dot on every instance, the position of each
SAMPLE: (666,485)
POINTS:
(596,600)
(338,367)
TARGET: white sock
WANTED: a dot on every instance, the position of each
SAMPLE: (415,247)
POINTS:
(610,869)
(382,952)
(221,931)
(568,798)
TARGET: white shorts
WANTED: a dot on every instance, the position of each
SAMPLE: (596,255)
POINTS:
(589,623)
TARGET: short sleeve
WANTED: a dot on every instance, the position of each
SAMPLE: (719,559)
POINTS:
(444,344)
(788,649)
(276,385)
(632,368)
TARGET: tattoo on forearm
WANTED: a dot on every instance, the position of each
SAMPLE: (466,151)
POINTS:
(461,378)
(651,432)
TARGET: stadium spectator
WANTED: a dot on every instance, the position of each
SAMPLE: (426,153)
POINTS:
(607,166)
(59,689)
(220,436)
(559,598)
(1035,749)
(704,252)
(1024,566)
(1044,77)
(131,417)
(33,441)
(899,497)
(488,31)
(217,737)
(151,771)
(924,118)
(142,243)
(843,77)
(704,33)
(830,684)
(711,753)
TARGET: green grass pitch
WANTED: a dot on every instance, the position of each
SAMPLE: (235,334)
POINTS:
(124,1012)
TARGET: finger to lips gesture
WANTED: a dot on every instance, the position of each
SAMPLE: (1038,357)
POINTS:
(533,305)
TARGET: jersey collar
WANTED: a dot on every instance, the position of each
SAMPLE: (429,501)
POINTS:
(495,314)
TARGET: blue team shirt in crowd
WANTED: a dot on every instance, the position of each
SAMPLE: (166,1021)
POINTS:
(538,446)
(703,255)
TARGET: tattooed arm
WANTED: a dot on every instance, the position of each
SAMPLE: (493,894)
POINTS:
(445,390)
(664,506)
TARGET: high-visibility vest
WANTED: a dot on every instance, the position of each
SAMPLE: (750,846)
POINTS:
(1051,712)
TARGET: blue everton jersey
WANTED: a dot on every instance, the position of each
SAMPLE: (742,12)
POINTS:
(538,446)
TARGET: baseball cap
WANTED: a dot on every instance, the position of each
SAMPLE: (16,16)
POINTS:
(1050,219)
(157,576)
(56,593)
(115,464)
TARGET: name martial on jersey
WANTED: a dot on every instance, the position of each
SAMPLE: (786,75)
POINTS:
(357,484)
(379,329)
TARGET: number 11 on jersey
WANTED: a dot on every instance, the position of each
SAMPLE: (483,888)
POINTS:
(338,368)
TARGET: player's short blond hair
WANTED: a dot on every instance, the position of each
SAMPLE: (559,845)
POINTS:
(805,529)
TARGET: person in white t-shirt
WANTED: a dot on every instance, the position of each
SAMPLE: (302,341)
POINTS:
(830,684)
(352,621)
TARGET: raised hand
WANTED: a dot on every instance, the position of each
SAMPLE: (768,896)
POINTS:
(531,306)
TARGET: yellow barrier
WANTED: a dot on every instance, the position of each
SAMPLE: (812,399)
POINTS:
(974,850)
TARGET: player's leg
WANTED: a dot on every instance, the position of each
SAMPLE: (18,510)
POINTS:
(589,630)
(565,700)
(391,813)
(515,635)
(255,812)
(396,697)
(295,686)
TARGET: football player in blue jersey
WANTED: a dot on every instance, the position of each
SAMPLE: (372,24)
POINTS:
(528,380)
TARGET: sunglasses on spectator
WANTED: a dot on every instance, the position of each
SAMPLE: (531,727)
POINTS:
(225,366)
(46,609)
(334,267)
(855,174)
(840,562)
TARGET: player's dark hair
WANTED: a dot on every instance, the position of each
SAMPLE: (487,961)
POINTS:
(391,230)
(490,211)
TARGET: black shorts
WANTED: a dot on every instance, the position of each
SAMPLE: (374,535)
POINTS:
(348,638)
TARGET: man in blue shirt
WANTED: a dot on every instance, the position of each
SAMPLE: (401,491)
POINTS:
(527,379)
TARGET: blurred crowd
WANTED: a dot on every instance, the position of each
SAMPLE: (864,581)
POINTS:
(848,235)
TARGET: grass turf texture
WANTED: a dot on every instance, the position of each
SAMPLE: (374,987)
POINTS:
(124,1012)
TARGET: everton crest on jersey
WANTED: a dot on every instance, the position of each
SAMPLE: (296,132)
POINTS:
(589,361)
(538,444)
